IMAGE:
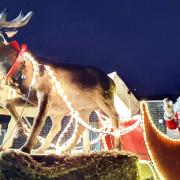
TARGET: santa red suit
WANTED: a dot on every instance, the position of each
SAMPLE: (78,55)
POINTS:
(173,121)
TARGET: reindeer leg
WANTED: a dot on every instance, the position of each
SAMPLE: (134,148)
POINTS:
(12,130)
(84,114)
(9,136)
(10,105)
(107,105)
(74,139)
(38,122)
(56,127)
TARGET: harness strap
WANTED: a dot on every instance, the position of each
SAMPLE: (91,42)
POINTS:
(17,61)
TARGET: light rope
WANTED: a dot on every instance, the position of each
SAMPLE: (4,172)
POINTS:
(60,149)
(74,114)
(64,131)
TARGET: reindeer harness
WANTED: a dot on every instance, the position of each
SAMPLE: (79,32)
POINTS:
(17,62)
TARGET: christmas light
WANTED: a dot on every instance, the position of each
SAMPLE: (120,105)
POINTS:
(64,132)
(56,86)
(146,142)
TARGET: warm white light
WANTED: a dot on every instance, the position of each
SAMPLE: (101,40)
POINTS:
(146,142)
(107,126)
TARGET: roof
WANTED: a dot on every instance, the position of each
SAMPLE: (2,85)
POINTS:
(125,94)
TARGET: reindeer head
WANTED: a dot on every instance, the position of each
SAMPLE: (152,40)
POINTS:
(7,30)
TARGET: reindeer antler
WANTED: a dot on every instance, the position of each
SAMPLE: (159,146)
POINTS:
(9,28)
(19,21)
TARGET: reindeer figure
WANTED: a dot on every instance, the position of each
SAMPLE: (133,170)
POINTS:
(87,88)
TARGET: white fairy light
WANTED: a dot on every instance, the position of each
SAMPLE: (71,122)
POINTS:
(146,142)
(60,149)
(64,131)
(75,114)
(64,97)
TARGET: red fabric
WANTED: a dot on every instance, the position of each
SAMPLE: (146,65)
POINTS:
(171,124)
(17,61)
(134,141)
(108,138)
(15,45)
(109,141)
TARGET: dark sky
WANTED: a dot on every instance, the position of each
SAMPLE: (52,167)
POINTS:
(138,39)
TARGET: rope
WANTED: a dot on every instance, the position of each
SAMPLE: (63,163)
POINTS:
(20,117)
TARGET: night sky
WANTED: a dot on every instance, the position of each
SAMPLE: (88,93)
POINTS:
(138,39)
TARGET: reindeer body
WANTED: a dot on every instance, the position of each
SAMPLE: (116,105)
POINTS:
(87,88)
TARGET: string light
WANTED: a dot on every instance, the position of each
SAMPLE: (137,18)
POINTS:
(146,111)
(76,115)
(64,132)
(56,86)
(61,149)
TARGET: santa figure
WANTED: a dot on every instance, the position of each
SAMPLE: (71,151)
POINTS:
(172,114)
